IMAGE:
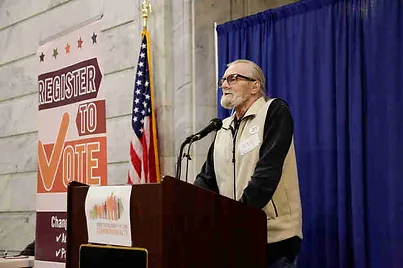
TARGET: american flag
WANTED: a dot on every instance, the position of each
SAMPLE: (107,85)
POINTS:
(144,164)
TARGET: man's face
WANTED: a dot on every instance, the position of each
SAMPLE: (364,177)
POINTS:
(238,91)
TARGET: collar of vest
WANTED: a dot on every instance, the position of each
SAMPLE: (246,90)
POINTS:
(252,111)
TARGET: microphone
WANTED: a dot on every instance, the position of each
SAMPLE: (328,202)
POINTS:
(214,125)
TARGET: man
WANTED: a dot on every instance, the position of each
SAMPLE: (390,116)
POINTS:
(252,159)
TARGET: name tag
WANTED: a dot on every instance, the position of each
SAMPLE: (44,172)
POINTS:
(249,144)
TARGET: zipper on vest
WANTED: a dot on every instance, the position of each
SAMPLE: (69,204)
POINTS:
(234,132)
(275,208)
(233,162)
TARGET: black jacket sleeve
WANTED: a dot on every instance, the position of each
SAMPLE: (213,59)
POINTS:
(278,131)
(206,178)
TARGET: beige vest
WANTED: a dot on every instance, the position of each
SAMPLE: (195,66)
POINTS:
(284,213)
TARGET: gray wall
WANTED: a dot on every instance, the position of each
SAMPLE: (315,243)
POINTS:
(182,39)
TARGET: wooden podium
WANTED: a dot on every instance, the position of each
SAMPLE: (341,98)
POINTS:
(181,225)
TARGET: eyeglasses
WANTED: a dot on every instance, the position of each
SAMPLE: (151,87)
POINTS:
(232,78)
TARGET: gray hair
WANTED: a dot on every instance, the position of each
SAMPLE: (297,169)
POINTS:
(255,73)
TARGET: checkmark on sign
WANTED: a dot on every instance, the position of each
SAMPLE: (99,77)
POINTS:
(48,167)
(58,237)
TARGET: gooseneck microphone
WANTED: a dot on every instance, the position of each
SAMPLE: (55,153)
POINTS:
(214,125)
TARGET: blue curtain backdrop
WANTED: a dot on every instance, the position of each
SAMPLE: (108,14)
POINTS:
(338,64)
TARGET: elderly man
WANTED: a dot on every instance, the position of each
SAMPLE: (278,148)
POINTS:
(252,159)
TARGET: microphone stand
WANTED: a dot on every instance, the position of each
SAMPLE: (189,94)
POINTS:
(179,160)
(188,158)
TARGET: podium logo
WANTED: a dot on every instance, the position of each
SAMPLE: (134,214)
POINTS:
(110,209)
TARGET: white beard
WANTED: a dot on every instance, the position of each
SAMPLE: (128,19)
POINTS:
(232,100)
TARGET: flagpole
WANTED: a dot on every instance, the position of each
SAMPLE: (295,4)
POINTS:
(145,11)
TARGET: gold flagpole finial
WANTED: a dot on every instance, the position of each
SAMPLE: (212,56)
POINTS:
(145,11)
